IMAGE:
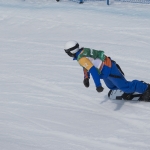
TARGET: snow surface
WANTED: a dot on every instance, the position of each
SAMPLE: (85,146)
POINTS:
(43,102)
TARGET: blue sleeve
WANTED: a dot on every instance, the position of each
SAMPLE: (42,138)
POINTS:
(95,76)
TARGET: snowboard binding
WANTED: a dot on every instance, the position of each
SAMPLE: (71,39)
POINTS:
(120,95)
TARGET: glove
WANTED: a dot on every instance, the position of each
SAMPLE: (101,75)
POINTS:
(100,89)
(86,82)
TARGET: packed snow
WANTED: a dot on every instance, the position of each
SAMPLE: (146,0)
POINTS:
(43,102)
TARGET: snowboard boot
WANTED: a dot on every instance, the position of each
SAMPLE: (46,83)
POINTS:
(146,94)
(127,96)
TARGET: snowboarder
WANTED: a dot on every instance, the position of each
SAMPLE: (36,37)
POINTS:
(100,66)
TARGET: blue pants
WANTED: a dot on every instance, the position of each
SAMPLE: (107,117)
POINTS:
(122,84)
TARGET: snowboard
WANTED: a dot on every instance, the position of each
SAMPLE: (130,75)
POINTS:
(120,95)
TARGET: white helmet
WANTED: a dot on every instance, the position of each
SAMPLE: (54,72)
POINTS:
(71,48)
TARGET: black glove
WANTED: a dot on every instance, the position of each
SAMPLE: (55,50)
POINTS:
(100,89)
(86,82)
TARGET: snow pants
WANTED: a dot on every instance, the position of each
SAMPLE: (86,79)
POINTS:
(116,80)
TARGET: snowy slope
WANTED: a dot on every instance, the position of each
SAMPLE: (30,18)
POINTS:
(43,103)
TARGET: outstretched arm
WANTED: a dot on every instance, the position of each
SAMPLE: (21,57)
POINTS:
(86,63)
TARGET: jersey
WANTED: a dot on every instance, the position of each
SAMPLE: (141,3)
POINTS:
(89,57)
(96,63)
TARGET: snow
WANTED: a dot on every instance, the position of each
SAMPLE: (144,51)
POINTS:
(43,102)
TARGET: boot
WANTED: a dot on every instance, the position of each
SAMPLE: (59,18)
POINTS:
(127,96)
(146,94)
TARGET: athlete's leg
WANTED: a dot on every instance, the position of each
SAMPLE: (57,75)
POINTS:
(127,86)
(109,84)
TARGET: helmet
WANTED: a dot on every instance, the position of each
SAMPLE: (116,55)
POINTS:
(71,48)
